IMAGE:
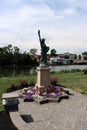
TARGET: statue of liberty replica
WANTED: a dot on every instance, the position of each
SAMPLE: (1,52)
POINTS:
(44,50)
(43,71)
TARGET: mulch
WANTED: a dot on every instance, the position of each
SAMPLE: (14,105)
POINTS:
(5,122)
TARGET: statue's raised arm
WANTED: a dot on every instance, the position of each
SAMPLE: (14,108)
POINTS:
(44,50)
(39,36)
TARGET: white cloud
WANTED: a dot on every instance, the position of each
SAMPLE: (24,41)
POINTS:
(64,28)
(76,3)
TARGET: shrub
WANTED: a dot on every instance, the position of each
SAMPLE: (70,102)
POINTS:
(53,81)
(85,71)
(23,83)
(13,85)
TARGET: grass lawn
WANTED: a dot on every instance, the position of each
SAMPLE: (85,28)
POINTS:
(73,80)
(5,83)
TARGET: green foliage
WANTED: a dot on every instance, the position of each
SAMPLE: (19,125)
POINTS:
(84,53)
(53,52)
(66,56)
(75,56)
(69,71)
(79,57)
(33,51)
(11,56)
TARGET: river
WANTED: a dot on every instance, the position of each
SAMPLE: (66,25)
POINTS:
(67,67)
(27,70)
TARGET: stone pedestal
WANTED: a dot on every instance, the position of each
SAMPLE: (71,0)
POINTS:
(43,78)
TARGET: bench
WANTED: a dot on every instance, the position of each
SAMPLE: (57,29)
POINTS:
(10,101)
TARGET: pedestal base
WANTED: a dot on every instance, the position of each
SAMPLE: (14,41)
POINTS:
(43,78)
(40,88)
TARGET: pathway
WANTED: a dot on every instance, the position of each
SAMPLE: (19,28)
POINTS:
(70,114)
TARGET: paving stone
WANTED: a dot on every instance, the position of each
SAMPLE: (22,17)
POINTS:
(67,115)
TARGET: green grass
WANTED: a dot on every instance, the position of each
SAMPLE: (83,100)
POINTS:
(74,80)
(5,83)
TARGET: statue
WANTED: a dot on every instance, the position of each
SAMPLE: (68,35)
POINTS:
(44,50)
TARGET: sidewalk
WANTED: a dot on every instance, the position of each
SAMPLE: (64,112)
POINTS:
(70,114)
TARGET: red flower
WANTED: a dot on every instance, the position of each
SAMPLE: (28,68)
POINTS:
(23,82)
(53,81)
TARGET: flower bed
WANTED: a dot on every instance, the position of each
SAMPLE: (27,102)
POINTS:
(32,93)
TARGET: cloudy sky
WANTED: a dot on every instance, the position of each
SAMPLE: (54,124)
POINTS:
(63,23)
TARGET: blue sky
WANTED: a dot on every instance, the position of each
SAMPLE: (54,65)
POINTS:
(63,23)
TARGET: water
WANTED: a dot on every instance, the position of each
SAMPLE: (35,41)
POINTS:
(68,67)
(27,70)
(14,71)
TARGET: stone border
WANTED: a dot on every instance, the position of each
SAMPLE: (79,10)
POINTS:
(54,100)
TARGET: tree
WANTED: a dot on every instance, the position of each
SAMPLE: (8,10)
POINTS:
(75,56)
(10,56)
(33,51)
(16,56)
(7,53)
(84,53)
(32,57)
(66,56)
(53,52)
(79,57)
(16,50)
